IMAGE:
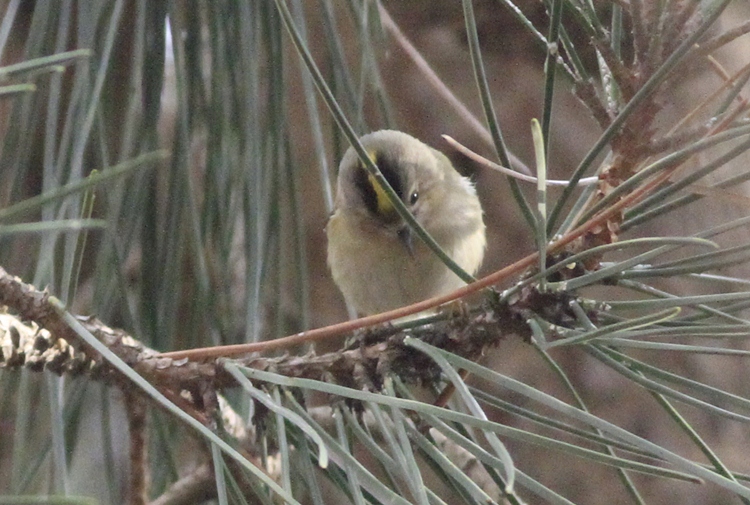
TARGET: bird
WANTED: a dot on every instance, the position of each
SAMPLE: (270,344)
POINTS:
(374,259)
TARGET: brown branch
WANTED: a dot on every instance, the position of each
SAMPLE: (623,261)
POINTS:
(38,339)
(379,351)
(196,487)
(33,305)
(175,371)
(641,33)
(24,343)
(678,19)
(192,386)
(135,410)
(586,93)
(336,330)
(620,73)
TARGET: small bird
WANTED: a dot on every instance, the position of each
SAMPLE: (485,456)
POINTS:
(375,261)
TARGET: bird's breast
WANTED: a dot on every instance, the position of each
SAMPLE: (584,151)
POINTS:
(376,272)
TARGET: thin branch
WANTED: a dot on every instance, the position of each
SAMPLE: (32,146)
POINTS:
(586,93)
(195,487)
(135,410)
(336,330)
(438,85)
(507,171)
(619,71)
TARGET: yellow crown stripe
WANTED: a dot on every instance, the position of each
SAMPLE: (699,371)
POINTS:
(384,203)
(385,207)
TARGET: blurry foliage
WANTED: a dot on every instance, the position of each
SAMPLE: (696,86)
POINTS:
(167,166)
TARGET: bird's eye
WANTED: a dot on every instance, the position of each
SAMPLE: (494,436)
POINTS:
(413,198)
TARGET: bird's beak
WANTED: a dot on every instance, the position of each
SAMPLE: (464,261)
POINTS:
(407,238)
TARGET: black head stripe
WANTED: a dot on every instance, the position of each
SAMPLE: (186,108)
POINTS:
(362,182)
(388,169)
(364,185)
